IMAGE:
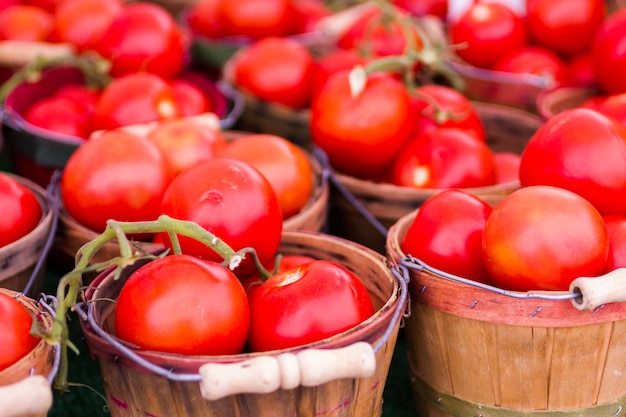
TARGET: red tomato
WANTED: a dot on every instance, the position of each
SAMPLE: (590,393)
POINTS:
(310,13)
(487,30)
(442,106)
(507,166)
(362,134)
(61,115)
(21,211)
(306,304)
(232,200)
(116,175)
(609,53)
(185,143)
(83,22)
(281,263)
(203,19)
(25,23)
(143,36)
(613,105)
(564,26)
(583,151)
(444,158)
(84,96)
(15,338)
(579,70)
(529,242)
(282,163)
(332,62)
(447,234)
(135,98)
(278,70)
(535,60)
(616,228)
(185,305)
(438,8)
(258,18)
(190,99)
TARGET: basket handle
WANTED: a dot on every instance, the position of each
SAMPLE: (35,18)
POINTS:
(30,396)
(596,291)
(264,374)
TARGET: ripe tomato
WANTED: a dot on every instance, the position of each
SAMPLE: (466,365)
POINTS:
(310,13)
(447,232)
(579,70)
(83,95)
(306,304)
(534,60)
(135,98)
(83,22)
(529,242)
(203,19)
(438,8)
(116,175)
(609,53)
(583,151)
(280,263)
(613,105)
(507,166)
(143,36)
(258,18)
(282,163)
(232,200)
(331,62)
(183,304)
(564,26)
(362,134)
(25,23)
(487,30)
(61,115)
(15,338)
(278,70)
(185,143)
(190,99)
(616,228)
(444,158)
(440,106)
(21,211)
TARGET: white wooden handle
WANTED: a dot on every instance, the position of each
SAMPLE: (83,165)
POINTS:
(595,291)
(265,374)
(18,53)
(30,396)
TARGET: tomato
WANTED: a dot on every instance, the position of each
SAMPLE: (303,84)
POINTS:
(282,163)
(616,229)
(306,304)
(438,8)
(583,151)
(310,13)
(15,338)
(83,22)
(331,62)
(485,32)
(185,305)
(185,143)
(609,53)
(447,232)
(21,211)
(529,242)
(440,106)
(278,70)
(564,26)
(84,96)
(361,134)
(25,23)
(378,34)
(579,70)
(535,60)
(507,166)
(613,105)
(203,19)
(258,18)
(143,37)
(61,115)
(116,175)
(135,98)
(190,99)
(444,158)
(280,263)
(232,200)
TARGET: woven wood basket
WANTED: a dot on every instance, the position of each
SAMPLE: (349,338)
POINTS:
(476,352)
(508,129)
(23,382)
(133,391)
(555,100)
(22,262)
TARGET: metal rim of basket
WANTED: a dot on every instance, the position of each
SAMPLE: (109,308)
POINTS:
(49,303)
(196,377)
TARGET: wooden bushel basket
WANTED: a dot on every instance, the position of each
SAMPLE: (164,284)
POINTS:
(131,390)
(476,352)
(507,129)
(25,386)
(555,100)
(21,261)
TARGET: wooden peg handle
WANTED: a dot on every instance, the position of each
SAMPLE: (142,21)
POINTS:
(30,396)
(595,291)
(15,53)
(264,374)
